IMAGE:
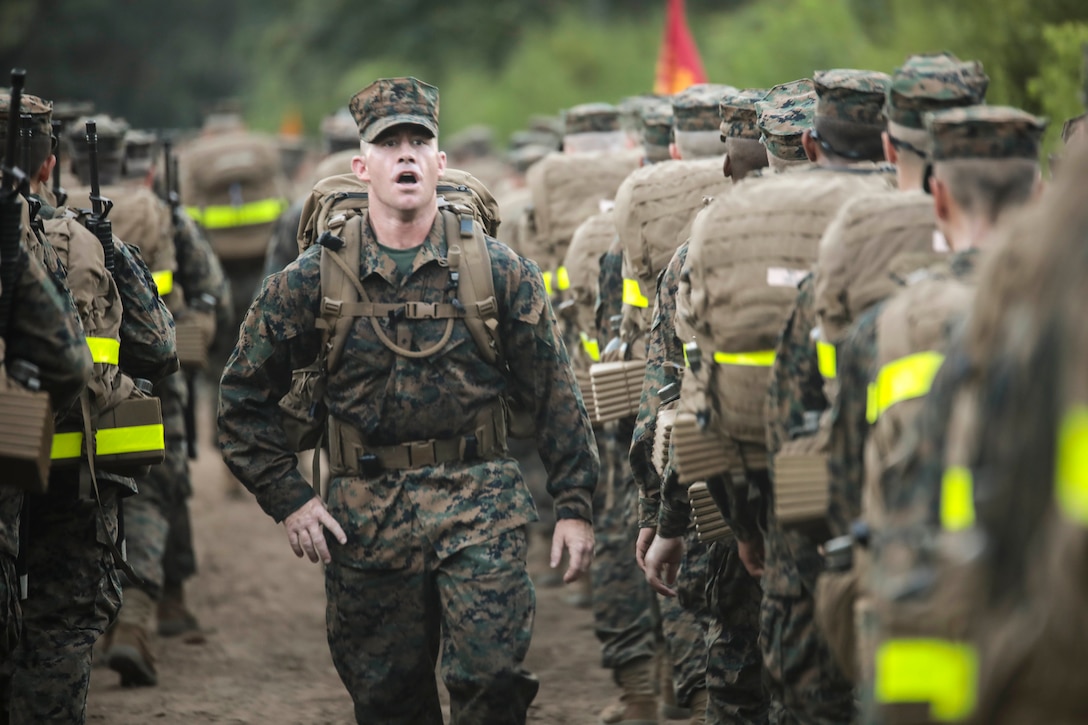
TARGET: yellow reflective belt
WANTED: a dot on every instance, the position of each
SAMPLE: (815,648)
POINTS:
(632,294)
(903,379)
(562,279)
(225,216)
(942,673)
(104,350)
(762,359)
(164,280)
(110,441)
(957,499)
(825,354)
(548,283)
(592,347)
(66,445)
(1072,466)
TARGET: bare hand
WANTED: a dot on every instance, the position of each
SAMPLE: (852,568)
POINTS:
(576,536)
(305,533)
(751,555)
(663,564)
(642,545)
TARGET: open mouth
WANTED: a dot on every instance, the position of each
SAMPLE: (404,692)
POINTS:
(408,179)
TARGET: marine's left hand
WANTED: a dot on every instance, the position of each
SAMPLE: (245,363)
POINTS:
(576,536)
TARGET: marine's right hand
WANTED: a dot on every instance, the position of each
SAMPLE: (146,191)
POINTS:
(642,545)
(304,530)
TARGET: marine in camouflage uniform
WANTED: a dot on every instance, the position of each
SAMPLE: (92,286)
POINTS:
(432,554)
(73,586)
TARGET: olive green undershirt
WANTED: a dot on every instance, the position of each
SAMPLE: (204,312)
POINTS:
(402,258)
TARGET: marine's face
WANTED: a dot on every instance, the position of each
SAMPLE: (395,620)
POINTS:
(402,167)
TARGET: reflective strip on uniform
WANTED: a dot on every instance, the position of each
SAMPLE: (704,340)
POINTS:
(104,350)
(957,499)
(939,672)
(1072,466)
(762,359)
(903,379)
(592,347)
(825,354)
(226,216)
(632,294)
(548,283)
(110,441)
(164,280)
(562,279)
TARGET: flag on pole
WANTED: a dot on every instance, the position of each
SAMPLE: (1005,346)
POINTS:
(678,64)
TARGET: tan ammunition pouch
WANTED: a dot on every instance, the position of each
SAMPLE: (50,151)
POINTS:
(801,483)
(26,431)
(351,455)
(192,343)
(617,389)
(710,525)
(128,437)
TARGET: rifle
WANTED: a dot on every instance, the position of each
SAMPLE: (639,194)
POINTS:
(98,223)
(58,190)
(12,180)
(181,250)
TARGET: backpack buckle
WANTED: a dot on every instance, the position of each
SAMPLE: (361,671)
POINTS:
(419,310)
(331,308)
(488,307)
(470,447)
(466,226)
(330,241)
(369,465)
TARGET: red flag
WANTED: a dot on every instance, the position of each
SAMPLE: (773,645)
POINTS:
(678,65)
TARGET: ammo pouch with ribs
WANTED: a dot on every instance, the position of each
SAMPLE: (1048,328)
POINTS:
(26,431)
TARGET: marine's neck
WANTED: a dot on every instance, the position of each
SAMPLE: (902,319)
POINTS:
(402,231)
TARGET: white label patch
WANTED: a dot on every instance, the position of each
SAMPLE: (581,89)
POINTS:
(783,277)
(940,244)
(606,205)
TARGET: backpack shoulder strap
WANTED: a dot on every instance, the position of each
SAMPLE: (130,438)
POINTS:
(470,259)
(339,286)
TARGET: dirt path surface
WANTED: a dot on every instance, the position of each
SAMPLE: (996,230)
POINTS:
(265,658)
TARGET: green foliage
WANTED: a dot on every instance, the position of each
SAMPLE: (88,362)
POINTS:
(1058,89)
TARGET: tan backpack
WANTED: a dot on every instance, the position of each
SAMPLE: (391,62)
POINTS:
(749,251)
(233,186)
(583,263)
(568,189)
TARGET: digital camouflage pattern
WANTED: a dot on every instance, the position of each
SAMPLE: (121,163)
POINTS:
(696,108)
(738,113)
(851,96)
(784,114)
(609,306)
(476,608)
(930,82)
(37,116)
(389,102)
(633,108)
(656,130)
(984,132)
(381,396)
(591,118)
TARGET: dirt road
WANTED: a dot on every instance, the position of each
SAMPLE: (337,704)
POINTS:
(266,660)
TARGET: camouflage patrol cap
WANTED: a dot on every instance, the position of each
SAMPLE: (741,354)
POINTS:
(524,156)
(657,125)
(591,118)
(738,113)
(111,135)
(139,151)
(632,108)
(389,102)
(37,122)
(696,108)
(932,82)
(984,132)
(784,115)
(1074,127)
(845,95)
(339,132)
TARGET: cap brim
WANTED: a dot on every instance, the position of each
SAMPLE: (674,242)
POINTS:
(384,124)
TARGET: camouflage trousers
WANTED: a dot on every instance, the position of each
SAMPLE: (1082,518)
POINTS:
(387,628)
(734,669)
(11,614)
(624,616)
(686,619)
(806,685)
(74,594)
(151,515)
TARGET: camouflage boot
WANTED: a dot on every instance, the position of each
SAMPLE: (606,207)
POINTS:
(174,617)
(638,701)
(129,652)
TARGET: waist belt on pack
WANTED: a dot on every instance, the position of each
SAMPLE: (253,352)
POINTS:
(632,293)
(164,280)
(104,350)
(907,378)
(562,279)
(225,216)
(827,359)
(761,359)
(350,453)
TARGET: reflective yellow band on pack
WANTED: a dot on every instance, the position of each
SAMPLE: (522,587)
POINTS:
(164,280)
(941,673)
(826,356)
(762,359)
(903,379)
(548,283)
(632,294)
(104,350)
(1072,466)
(592,347)
(110,441)
(562,279)
(957,499)
(226,216)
